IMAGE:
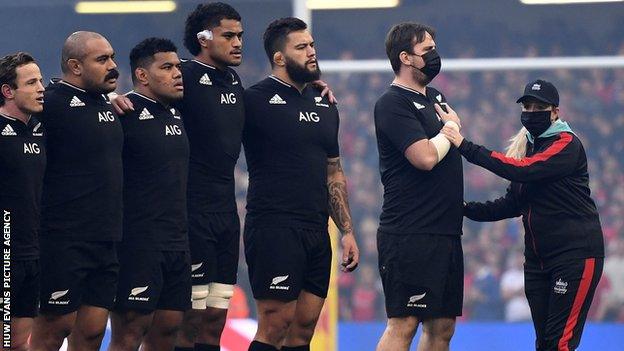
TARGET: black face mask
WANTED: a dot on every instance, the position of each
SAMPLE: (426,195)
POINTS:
(536,122)
(433,63)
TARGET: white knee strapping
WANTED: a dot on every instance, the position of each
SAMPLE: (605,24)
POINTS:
(219,295)
(199,294)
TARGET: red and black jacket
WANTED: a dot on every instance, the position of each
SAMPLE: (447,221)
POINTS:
(550,189)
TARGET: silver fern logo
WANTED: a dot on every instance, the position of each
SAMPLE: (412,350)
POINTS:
(58,294)
(413,301)
(279,279)
(55,296)
(136,291)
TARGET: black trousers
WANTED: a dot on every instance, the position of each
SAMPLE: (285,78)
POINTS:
(560,296)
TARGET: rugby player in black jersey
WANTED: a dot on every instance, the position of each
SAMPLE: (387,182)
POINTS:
(213,113)
(295,182)
(22,166)
(212,110)
(419,236)
(81,216)
(214,116)
(155,269)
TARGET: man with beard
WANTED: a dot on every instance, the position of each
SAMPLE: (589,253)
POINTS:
(419,236)
(22,165)
(295,180)
(155,274)
(82,198)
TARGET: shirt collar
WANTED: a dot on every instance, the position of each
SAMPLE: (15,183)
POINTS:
(401,86)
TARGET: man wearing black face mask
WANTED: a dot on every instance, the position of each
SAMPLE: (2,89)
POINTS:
(564,249)
(419,236)
(81,215)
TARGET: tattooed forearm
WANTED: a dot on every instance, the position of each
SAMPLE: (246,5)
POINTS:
(333,165)
(338,198)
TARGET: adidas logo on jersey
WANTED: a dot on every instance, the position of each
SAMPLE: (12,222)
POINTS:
(75,102)
(145,114)
(277,100)
(205,80)
(8,130)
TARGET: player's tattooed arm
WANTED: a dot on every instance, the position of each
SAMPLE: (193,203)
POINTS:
(340,213)
(337,196)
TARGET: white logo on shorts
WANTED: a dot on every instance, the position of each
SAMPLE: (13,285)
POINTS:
(561,287)
(136,291)
(278,280)
(195,267)
(412,301)
(57,295)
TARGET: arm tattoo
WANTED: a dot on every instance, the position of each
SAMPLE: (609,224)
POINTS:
(338,199)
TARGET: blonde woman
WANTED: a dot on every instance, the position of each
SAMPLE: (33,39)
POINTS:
(564,249)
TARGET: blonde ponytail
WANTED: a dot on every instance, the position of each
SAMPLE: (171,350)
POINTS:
(518,144)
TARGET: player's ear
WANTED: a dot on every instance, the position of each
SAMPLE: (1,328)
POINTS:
(6,91)
(202,42)
(404,56)
(555,114)
(140,74)
(279,59)
(74,66)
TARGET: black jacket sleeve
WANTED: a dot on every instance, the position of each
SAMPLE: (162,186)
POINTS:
(556,161)
(507,206)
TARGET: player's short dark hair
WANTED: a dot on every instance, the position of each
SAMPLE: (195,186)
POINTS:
(206,16)
(142,55)
(403,37)
(276,33)
(8,69)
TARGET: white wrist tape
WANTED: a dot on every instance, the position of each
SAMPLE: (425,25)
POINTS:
(442,145)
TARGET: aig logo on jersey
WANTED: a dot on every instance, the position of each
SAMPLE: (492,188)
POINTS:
(309,117)
(106,116)
(31,148)
(228,99)
(172,129)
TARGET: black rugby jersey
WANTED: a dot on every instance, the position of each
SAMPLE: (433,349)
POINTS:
(288,138)
(416,201)
(214,115)
(155,160)
(22,165)
(82,188)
